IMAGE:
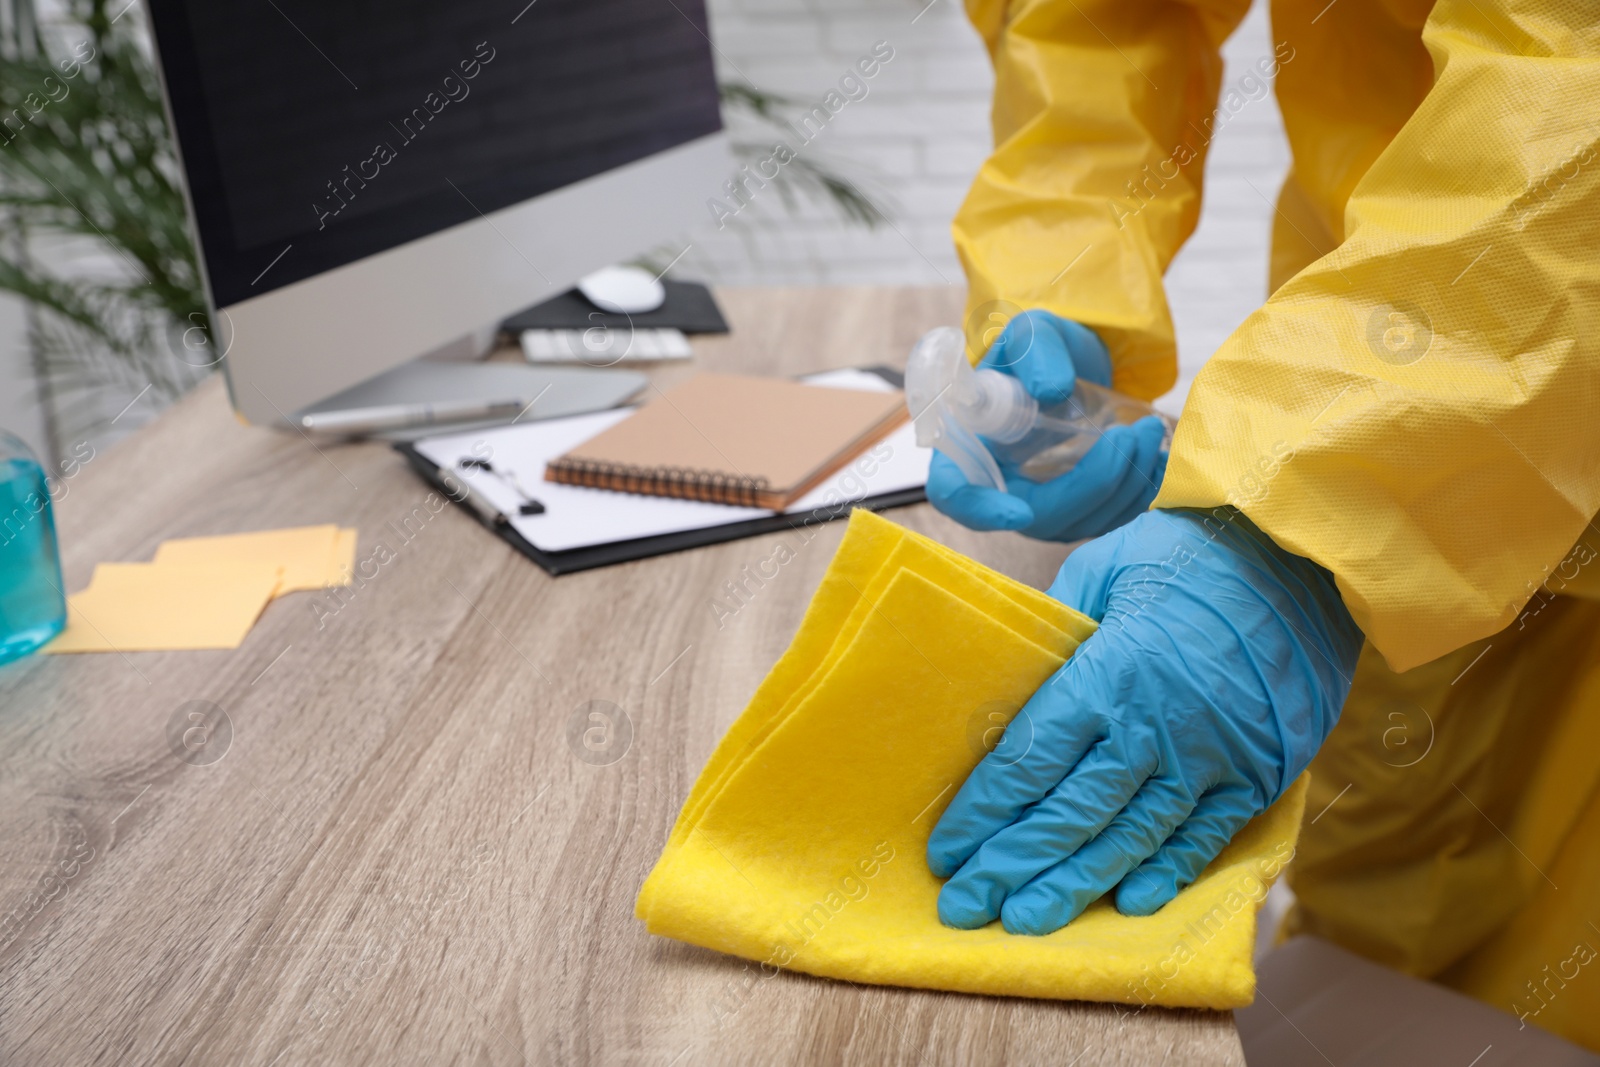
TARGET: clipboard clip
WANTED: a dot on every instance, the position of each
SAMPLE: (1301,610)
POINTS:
(508,478)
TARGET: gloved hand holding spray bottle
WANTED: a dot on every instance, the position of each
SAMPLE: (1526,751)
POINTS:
(989,425)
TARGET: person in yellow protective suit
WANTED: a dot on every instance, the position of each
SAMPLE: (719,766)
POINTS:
(1416,408)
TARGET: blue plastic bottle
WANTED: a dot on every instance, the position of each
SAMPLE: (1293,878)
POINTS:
(32,607)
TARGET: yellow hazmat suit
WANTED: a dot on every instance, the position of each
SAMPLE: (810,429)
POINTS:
(1416,407)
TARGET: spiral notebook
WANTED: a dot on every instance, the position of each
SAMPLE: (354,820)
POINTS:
(730,439)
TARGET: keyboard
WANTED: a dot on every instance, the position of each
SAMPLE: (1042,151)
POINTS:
(599,346)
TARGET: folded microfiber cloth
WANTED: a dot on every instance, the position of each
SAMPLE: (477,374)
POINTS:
(801,845)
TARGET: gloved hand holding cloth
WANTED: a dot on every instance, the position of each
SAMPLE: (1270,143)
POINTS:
(801,844)
(1219,667)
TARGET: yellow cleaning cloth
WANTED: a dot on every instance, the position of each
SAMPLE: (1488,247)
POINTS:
(801,844)
(312,557)
(145,607)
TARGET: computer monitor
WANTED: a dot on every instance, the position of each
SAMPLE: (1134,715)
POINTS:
(373,181)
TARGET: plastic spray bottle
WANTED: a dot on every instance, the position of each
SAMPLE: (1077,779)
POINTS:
(32,607)
(977,415)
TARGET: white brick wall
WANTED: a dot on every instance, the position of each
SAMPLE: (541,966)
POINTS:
(913,144)
(916,141)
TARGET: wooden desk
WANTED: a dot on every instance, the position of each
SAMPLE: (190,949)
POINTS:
(398,858)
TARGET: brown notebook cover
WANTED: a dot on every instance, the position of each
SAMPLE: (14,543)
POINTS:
(725,438)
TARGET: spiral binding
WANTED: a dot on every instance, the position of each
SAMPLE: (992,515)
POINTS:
(686,483)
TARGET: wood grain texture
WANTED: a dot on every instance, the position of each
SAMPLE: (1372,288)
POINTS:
(399,857)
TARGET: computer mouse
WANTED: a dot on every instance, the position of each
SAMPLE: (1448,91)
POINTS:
(623,290)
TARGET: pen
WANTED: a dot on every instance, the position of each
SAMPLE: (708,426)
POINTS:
(355,422)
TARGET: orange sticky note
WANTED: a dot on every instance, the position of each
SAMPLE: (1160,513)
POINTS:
(309,555)
(342,567)
(150,607)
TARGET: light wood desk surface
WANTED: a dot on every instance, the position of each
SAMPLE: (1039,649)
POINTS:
(398,857)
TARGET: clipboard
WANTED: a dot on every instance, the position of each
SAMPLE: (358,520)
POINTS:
(573,560)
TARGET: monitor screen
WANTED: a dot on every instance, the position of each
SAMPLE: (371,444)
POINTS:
(315,134)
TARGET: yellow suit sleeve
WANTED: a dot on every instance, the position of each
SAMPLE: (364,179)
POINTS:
(1416,410)
(1102,113)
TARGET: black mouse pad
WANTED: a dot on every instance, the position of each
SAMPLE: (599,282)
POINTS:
(689,307)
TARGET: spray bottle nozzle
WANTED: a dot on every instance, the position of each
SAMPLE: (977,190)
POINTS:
(951,404)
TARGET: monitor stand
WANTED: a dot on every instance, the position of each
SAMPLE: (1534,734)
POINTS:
(551,391)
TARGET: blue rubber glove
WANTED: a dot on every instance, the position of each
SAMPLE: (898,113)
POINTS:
(1115,480)
(1220,665)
